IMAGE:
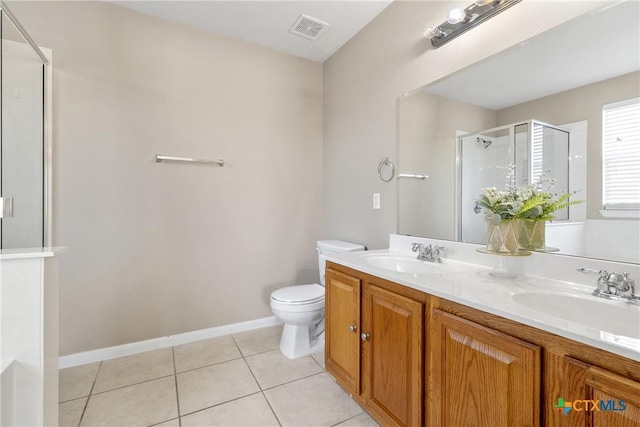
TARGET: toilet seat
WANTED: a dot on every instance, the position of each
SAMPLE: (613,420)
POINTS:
(301,308)
(299,295)
(298,299)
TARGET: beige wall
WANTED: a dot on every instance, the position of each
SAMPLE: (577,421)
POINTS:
(427,126)
(583,103)
(363,80)
(158,249)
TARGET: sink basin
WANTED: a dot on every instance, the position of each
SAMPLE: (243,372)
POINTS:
(403,264)
(615,317)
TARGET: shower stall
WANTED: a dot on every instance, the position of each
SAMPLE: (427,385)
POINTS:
(24,143)
(515,154)
(28,274)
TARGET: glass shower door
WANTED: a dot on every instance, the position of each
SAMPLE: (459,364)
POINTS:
(21,141)
(485,159)
(542,150)
(532,148)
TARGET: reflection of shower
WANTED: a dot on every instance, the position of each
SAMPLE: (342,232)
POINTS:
(525,148)
(485,142)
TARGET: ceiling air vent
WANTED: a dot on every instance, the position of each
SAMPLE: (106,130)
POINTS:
(307,27)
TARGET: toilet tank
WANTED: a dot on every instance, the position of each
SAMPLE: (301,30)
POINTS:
(333,246)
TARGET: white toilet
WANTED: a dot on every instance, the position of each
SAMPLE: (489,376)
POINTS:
(301,307)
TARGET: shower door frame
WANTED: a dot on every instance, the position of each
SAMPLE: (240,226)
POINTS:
(512,131)
(458,202)
(46,56)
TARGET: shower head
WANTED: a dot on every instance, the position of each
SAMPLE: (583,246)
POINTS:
(485,143)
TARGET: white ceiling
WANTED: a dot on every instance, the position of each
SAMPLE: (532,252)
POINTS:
(268,22)
(589,49)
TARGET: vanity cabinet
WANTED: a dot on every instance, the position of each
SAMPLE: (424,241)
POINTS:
(414,359)
(374,345)
(392,356)
(479,376)
(568,369)
(342,329)
(598,397)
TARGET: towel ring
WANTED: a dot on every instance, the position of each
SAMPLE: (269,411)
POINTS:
(386,162)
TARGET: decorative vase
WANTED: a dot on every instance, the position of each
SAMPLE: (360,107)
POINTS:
(502,238)
(531,234)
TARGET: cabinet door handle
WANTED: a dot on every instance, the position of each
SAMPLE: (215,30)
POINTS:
(353,328)
(364,336)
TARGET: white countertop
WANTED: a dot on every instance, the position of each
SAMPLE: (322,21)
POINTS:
(31,252)
(594,321)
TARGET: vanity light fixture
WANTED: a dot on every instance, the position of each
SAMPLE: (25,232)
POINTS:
(460,20)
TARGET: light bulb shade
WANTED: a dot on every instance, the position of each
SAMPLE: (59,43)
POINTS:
(460,20)
(455,15)
(429,32)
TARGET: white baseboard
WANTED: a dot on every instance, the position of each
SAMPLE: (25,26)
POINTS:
(162,342)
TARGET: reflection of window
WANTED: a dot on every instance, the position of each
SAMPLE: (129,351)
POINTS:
(621,154)
(537,142)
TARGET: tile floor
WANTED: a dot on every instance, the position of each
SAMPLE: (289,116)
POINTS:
(234,380)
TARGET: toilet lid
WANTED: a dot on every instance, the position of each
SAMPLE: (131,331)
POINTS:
(300,294)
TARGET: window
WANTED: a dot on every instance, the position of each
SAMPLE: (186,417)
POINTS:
(537,154)
(621,155)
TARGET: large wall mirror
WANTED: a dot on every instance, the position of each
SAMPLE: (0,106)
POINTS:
(462,133)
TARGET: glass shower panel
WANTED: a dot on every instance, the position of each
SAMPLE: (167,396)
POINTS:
(484,162)
(522,148)
(22,137)
(550,154)
(543,150)
(486,157)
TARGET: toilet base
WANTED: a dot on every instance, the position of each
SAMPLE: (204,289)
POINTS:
(296,342)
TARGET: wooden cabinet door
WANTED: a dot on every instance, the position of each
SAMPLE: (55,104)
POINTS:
(392,354)
(342,329)
(565,380)
(619,399)
(480,377)
(592,396)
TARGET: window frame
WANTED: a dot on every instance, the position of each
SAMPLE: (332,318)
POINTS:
(612,209)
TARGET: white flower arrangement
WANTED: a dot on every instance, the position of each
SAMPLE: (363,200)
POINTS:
(533,202)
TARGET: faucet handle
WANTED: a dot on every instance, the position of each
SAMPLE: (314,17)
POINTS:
(601,273)
(626,285)
(602,285)
(437,251)
(415,247)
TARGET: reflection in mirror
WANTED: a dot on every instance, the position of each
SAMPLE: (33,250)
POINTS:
(528,100)
(527,150)
(21,139)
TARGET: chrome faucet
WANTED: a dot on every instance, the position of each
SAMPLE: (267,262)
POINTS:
(431,253)
(614,286)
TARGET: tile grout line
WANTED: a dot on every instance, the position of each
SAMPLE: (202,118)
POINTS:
(162,422)
(209,365)
(219,404)
(355,416)
(259,386)
(293,381)
(322,367)
(71,400)
(271,407)
(84,409)
(214,364)
(132,384)
(259,352)
(242,356)
(175,379)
